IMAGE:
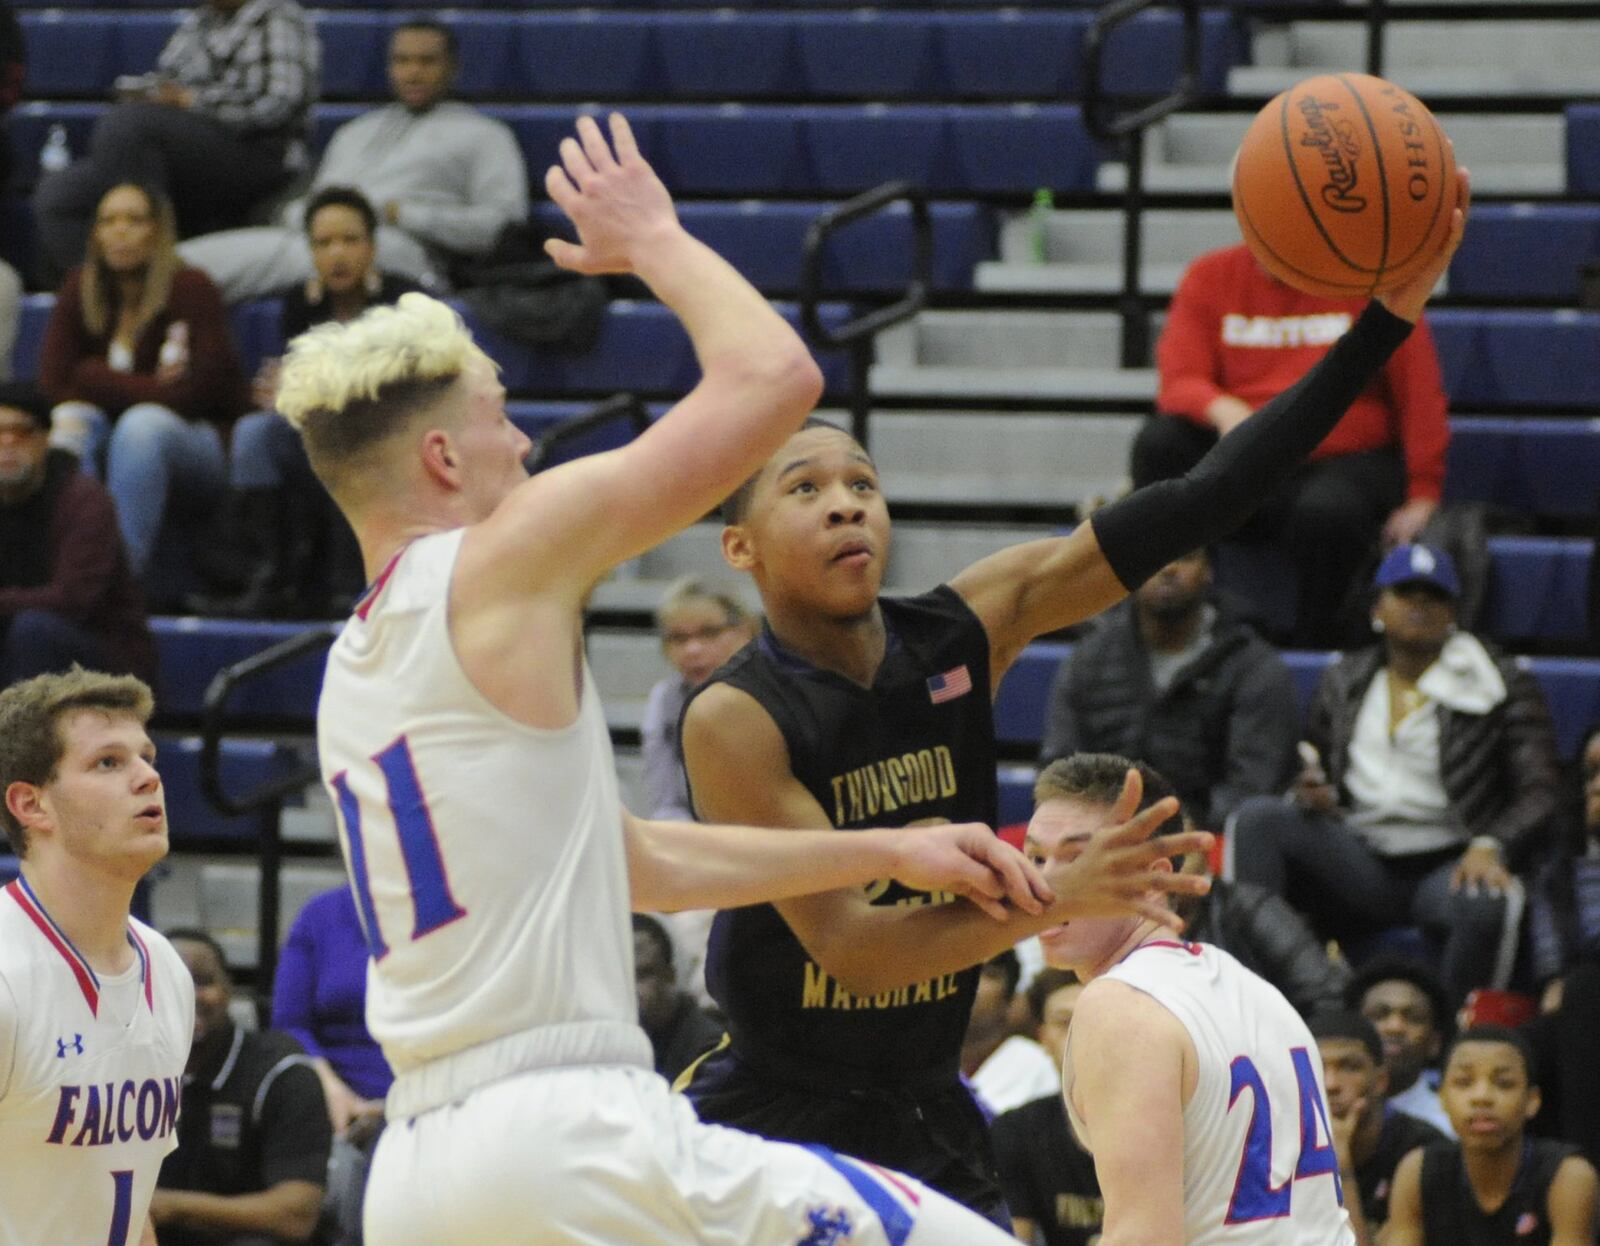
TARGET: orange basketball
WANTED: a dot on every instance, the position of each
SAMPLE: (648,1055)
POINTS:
(1344,186)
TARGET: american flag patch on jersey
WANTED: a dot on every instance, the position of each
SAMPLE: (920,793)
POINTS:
(1527,1222)
(955,682)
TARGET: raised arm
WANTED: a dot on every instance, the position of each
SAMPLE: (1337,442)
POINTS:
(577,521)
(739,772)
(1132,1069)
(1042,586)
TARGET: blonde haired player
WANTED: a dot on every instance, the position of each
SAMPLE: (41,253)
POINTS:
(96,1009)
(462,739)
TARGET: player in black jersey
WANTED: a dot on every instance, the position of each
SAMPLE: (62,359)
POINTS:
(846,1011)
(1496,1186)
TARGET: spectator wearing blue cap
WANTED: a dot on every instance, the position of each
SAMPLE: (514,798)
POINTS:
(1429,779)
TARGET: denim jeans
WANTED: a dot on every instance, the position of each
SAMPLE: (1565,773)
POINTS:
(40,642)
(155,460)
(266,452)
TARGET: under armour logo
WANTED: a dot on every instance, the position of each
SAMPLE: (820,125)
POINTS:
(63,1046)
(829,1227)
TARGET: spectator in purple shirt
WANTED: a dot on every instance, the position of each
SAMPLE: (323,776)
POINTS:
(320,996)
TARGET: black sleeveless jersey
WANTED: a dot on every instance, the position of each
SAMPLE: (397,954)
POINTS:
(918,746)
(1451,1215)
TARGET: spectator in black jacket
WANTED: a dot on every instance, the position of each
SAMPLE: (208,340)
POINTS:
(1431,777)
(1268,937)
(1174,679)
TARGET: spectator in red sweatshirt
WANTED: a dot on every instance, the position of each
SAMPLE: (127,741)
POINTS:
(1235,337)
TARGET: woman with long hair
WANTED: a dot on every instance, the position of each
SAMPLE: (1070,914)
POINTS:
(139,359)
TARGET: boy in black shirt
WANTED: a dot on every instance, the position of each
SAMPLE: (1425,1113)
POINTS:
(1369,1136)
(1496,1186)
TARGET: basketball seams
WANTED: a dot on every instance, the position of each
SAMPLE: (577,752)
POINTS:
(1383,178)
(1329,289)
(1294,172)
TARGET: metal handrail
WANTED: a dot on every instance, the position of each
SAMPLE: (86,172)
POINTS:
(619,406)
(266,799)
(856,335)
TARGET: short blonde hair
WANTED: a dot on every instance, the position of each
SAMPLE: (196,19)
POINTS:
(349,387)
(30,726)
(683,591)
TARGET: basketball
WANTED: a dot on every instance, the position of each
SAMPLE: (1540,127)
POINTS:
(1344,186)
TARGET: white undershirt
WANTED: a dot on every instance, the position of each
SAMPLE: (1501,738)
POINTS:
(1400,805)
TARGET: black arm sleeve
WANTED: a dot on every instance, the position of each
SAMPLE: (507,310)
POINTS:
(1148,529)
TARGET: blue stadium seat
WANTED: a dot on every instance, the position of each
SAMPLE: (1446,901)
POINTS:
(728,54)
(29,123)
(1525,464)
(192,651)
(1042,53)
(10,867)
(871,54)
(1539,588)
(1583,149)
(854,148)
(728,149)
(1526,250)
(1145,55)
(355,55)
(585,54)
(1519,358)
(70,53)
(246,764)
(1570,685)
(1018,148)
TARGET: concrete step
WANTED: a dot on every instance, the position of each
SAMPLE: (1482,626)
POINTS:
(1508,153)
(1551,58)
(1083,250)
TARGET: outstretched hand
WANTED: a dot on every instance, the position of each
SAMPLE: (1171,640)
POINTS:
(1115,870)
(611,194)
(967,858)
(1408,300)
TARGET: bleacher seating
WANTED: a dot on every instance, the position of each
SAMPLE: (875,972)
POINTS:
(761,113)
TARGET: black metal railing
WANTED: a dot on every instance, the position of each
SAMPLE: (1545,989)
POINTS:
(1128,129)
(857,335)
(265,801)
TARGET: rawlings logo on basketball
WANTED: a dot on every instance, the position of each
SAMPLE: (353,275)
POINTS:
(1335,139)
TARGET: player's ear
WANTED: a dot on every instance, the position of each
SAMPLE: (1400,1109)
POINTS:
(737,549)
(439,458)
(25,803)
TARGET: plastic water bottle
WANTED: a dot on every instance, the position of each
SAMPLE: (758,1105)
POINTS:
(1044,204)
(55,155)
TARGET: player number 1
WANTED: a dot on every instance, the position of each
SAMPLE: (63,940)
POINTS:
(1254,1195)
(121,1208)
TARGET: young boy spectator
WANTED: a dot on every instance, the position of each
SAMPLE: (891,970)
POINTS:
(1369,1136)
(1048,1179)
(1237,336)
(1005,1069)
(1407,1005)
(445,179)
(1176,679)
(66,594)
(1433,780)
(680,1032)
(1497,1186)
(221,125)
(253,1131)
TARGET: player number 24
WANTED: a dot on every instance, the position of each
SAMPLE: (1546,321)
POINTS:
(1254,1195)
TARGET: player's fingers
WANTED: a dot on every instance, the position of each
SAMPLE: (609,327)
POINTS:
(594,143)
(622,139)
(1128,800)
(989,904)
(576,163)
(560,188)
(1178,844)
(1179,884)
(1144,823)
(1018,877)
(565,254)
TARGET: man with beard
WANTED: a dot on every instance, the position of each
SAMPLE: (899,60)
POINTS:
(66,594)
(1175,679)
